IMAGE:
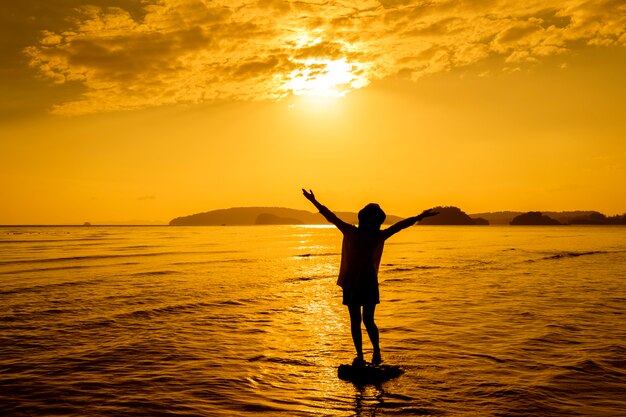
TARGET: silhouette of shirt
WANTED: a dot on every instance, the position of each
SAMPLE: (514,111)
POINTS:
(361,253)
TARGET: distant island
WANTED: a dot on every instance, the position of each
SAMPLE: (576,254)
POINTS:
(448,215)
(453,216)
(562,217)
(534,218)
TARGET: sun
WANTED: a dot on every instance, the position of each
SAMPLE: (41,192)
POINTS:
(326,78)
(322,67)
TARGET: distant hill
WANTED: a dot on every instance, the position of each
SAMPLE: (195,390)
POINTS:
(564,217)
(598,218)
(452,216)
(534,218)
(498,217)
(268,218)
(246,216)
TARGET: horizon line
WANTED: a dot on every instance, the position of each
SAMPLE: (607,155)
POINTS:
(167,223)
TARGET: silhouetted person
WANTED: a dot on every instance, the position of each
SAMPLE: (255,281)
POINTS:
(361,252)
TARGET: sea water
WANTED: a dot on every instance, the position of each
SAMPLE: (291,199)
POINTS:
(236,321)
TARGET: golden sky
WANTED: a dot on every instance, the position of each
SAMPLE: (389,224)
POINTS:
(144,110)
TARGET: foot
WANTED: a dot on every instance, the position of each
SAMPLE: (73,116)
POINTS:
(358,361)
(376,359)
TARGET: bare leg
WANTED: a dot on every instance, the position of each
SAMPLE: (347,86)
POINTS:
(372,330)
(355,328)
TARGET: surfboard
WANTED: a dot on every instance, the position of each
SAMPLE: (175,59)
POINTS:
(368,373)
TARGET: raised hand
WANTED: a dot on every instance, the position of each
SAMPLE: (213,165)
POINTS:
(427,213)
(309,195)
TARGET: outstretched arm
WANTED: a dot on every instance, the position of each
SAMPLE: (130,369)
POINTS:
(324,211)
(410,221)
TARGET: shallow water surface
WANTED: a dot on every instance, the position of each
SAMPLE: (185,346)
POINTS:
(144,321)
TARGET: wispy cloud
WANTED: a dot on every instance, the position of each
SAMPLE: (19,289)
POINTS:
(190,51)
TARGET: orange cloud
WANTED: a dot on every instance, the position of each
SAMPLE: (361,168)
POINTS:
(190,51)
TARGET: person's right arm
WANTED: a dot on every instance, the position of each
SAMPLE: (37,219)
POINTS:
(324,211)
(410,221)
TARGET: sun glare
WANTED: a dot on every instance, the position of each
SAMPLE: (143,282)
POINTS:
(326,78)
(323,67)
